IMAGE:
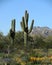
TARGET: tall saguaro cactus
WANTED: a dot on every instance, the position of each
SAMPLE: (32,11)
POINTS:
(24,25)
(12,30)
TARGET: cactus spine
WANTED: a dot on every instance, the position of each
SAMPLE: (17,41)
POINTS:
(24,25)
(12,30)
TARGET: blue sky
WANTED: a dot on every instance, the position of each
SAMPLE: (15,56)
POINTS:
(39,10)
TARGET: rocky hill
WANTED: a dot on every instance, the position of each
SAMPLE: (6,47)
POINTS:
(44,31)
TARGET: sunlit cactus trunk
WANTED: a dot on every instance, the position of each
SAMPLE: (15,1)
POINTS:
(25,38)
(5,63)
(24,25)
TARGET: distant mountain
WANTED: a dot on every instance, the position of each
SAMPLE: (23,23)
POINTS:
(44,31)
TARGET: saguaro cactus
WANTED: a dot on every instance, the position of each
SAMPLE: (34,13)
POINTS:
(12,30)
(24,25)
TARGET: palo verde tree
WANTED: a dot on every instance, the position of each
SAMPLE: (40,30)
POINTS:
(24,25)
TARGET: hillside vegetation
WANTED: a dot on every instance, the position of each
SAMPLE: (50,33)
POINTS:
(36,41)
